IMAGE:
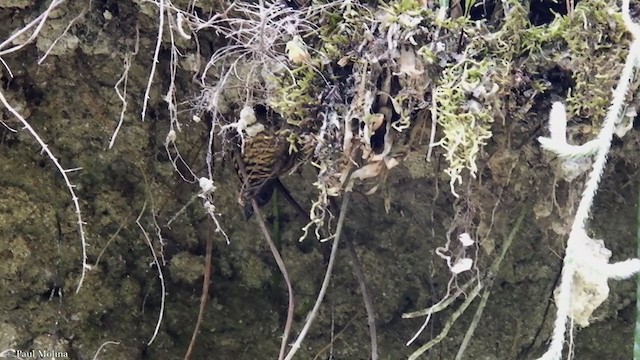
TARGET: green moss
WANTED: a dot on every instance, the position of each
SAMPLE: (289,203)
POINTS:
(294,98)
(400,58)
(583,48)
(585,45)
(595,57)
(466,124)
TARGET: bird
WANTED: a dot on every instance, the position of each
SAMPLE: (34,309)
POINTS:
(264,157)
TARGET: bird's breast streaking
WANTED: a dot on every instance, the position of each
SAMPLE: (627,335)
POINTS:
(265,157)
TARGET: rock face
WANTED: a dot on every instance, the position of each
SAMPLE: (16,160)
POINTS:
(83,83)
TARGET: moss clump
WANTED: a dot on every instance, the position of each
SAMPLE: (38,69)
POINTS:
(466,122)
(519,61)
(371,74)
(594,56)
(294,95)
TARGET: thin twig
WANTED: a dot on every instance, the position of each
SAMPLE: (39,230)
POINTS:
(205,291)
(122,224)
(495,266)
(474,323)
(53,44)
(285,274)
(40,20)
(155,57)
(287,196)
(493,270)
(160,276)
(6,66)
(95,356)
(333,339)
(441,305)
(368,302)
(325,283)
(276,256)
(456,314)
(124,80)
(62,172)
(434,121)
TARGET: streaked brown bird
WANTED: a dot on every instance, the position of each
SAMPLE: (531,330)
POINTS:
(265,158)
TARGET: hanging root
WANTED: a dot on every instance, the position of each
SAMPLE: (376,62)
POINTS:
(276,256)
(325,283)
(368,303)
(205,291)
(487,282)
(285,274)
